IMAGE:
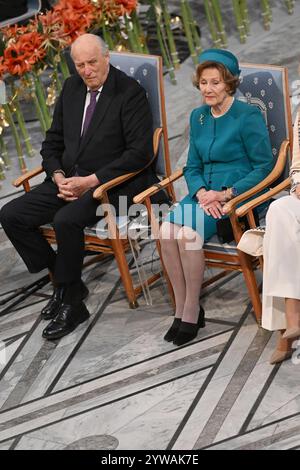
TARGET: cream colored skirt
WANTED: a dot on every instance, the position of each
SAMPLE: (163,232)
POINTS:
(281,278)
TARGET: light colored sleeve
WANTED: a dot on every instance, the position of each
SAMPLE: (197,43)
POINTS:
(295,168)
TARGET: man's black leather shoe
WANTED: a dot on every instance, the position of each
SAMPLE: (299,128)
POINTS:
(67,319)
(51,308)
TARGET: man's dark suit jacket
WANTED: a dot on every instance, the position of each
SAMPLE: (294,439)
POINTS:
(118,140)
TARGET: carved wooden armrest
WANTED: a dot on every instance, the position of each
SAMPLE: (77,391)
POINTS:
(24,179)
(139,198)
(99,192)
(275,173)
(249,206)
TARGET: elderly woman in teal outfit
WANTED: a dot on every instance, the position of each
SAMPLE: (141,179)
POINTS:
(229,153)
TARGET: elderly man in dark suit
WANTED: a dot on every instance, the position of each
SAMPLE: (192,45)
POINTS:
(102,128)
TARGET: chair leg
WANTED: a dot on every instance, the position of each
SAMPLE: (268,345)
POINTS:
(251,284)
(124,272)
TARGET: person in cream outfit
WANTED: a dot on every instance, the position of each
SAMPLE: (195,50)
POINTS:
(281,277)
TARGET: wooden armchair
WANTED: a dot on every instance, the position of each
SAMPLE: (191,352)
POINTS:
(147,70)
(264,86)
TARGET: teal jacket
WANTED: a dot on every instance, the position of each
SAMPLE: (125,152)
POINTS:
(232,150)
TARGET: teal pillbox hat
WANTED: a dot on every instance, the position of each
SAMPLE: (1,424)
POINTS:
(223,57)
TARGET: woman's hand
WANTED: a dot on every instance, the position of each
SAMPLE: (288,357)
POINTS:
(214,209)
(200,193)
(211,196)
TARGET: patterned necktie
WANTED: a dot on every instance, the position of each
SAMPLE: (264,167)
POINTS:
(90,110)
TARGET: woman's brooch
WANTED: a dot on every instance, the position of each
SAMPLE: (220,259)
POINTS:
(201,119)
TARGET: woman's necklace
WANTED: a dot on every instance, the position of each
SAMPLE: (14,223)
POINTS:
(225,111)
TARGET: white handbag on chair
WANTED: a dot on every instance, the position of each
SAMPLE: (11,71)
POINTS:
(251,241)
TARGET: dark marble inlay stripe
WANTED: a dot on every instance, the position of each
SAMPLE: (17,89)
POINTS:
(32,372)
(120,370)
(270,440)
(14,193)
(252,431)
(221,283)
(232,391)
(83,337)
(208,379)
(19,349)
(46,411)
(13,339)
(260,398)
(30,375)
(31,304)
(18,322)
(221,322)
(15,443)
(23,293)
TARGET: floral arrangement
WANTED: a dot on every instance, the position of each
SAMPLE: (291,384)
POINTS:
(27,51)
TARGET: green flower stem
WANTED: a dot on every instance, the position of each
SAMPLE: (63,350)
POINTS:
(2,174)
(265,13)
(219,22)
(30,82)
(133,42)
(16,137)
(4,153)
(55,74)
(58,84)
(2,168)
(188,33)
(22,126)
(21,121)
(57,80)
(64,66)
(290,6)
(136,35)
(245,15)
(269,11)
(194,28)
(42,100)
(140,32)
(164,54)
(39,112)
(171,41)
(239,20)
(108,38)
(211,23)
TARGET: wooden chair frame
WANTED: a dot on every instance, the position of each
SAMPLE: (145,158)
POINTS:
(116,245)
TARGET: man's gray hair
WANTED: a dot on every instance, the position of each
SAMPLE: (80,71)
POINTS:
(102,44)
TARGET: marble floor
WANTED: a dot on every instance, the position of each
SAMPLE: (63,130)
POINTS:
(114,383)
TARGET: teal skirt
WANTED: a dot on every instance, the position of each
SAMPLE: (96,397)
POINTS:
(188,213)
